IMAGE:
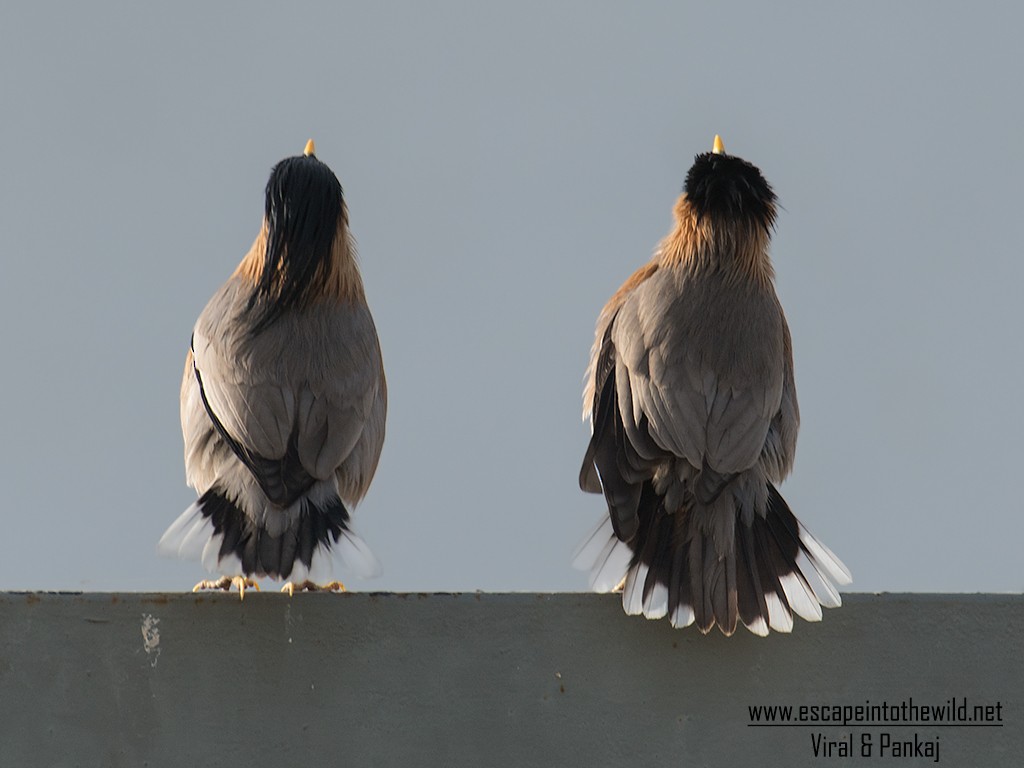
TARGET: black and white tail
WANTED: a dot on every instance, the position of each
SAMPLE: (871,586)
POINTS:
(672,568)
(216,532)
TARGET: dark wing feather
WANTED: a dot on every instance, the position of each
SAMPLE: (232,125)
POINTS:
(283,480)
(620,458)
(623,496)
(601,412)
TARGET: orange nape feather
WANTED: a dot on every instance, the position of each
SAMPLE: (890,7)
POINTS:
(343,283)
(737,247)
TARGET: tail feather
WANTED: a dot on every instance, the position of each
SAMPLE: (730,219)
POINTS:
(806,586)
(750,594)
(656,598)
(645,590)
(786,529)
(680,599)
(824,592)
(732,595)
(780,618)
(217,532)
(771,564)
(825,562)
(633,590)
(593,544)
(775,569)
(658,548)
(605,556)
(703,610)
(717,585)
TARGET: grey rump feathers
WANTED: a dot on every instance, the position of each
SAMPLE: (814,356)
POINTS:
(693,407)
(283,398)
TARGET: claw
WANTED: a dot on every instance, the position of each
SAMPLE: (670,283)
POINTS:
(309,586)
(222,583)
(225,583)
(242,582)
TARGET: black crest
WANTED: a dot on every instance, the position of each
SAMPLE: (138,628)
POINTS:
(726,187)
(304,202)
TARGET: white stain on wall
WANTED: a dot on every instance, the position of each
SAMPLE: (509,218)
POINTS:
(151,638)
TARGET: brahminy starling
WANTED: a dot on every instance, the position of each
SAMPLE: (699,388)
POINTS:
(692,402)
(283,399)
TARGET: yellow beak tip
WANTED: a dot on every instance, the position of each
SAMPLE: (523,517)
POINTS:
(719,147)
(310,149)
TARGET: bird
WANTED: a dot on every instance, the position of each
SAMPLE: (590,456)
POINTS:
(283,399)
(693,410)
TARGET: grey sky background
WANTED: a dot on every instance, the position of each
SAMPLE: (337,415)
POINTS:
(506,167)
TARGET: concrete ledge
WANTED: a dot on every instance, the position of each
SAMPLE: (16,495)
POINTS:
(490,680)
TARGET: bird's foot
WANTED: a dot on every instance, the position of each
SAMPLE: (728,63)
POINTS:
(309,586)
(225,583)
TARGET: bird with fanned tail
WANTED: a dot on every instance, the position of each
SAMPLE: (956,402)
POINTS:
(283,399)
(692,402)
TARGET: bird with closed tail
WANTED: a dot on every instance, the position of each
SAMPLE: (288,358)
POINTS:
(283,400)
(694,417)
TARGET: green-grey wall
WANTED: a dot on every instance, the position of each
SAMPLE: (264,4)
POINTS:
(483,680)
